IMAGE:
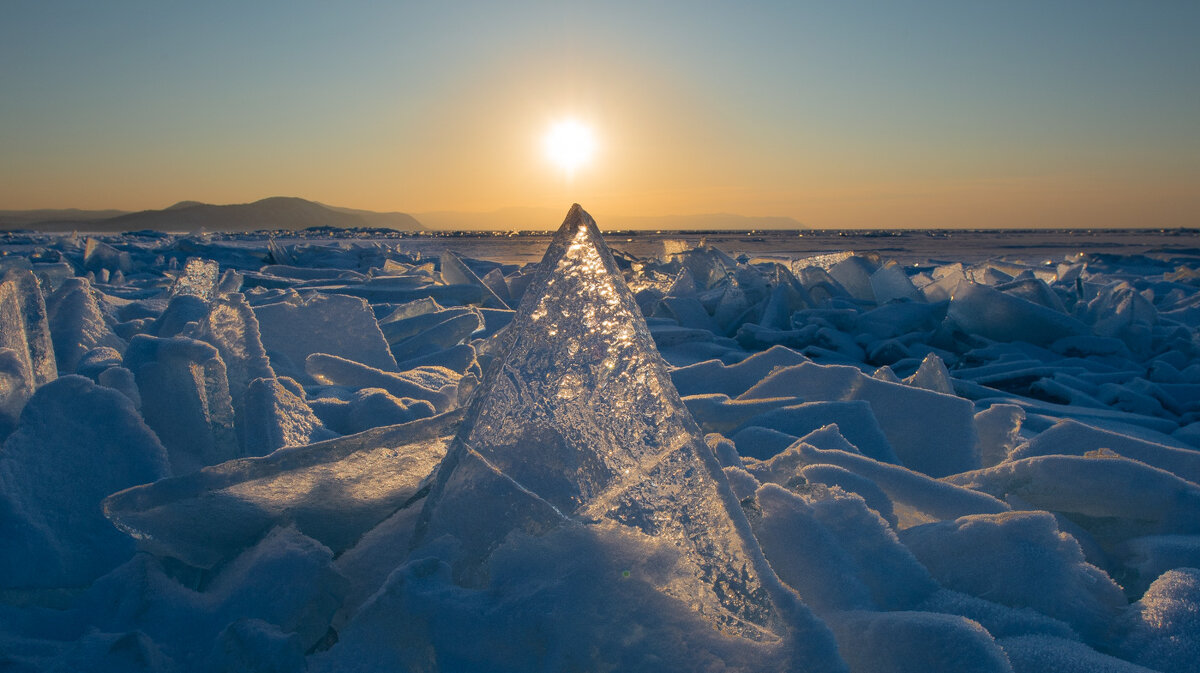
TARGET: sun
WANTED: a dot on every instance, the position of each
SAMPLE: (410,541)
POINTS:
(570,144)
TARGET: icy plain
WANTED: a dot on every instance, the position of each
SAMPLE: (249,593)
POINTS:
(248,453)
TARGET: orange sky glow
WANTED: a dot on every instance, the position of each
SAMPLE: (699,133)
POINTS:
(877,116)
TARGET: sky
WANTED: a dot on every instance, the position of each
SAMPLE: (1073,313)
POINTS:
(960,113)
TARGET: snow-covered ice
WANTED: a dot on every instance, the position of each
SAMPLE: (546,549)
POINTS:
(367,453)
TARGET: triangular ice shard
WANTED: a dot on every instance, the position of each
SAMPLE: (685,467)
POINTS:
(578,423)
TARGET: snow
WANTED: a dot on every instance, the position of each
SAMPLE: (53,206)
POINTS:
(1019,559)
(76,442)
(915,642)
(1162,630)
(348,452)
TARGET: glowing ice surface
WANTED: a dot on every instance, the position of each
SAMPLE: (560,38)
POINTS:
(199,277)
(24,327)
(332,491)
(579,423)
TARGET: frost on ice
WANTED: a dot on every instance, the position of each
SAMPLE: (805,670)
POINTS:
(199,278)
(578,424)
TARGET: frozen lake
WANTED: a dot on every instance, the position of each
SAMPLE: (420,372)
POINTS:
(854,451)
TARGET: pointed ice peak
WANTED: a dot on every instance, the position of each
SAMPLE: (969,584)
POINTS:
(932,375)
(456,272)
(578,423)
(684,285)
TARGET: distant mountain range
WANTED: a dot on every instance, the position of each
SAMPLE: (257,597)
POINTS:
(279,212)
(290,213)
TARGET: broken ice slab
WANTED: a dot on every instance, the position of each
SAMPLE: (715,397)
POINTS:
(1070,437)
(76,324)
(455,272)
(278,254)
(332,491)
(1112,497)
(494,279)
(992,314)
(382,293)
(854,416)
(821,286)
(404,323)
(917,498)
(444,335)
(231,328)
(932,375)
(15,389)
(392,312)
(308,273)
(854,273)
(52,275)
(1036,291)
(436,385)
(714,376)
(99,255)
(902,411)
(199,278)
(460,359)
(25,328)
(578,424)
(303,324)
(274,417)
(715,412)
(185,399)
(890,282)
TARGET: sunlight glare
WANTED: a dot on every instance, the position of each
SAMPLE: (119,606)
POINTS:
(570,144)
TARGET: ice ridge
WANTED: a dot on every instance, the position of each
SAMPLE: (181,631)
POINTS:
(578,423)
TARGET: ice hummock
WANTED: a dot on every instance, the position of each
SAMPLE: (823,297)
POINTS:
(578,424)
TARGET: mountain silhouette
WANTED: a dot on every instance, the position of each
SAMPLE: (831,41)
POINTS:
(278,212)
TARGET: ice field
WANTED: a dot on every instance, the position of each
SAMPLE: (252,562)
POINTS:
(769,452)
